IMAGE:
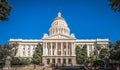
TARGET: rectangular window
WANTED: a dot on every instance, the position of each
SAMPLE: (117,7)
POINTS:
(23,47)
(28,53)
(23,53)
(28,48)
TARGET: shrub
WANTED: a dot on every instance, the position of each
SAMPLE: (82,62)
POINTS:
(1,63)
(23,61)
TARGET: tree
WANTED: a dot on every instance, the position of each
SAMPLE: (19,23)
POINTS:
(20,61)
(5,9)
(115,5)
(115,52)
(37,56)
(84,49)
(104,52)
(78,54)
(97,50)
(7,50)
(1,56)
(81,54)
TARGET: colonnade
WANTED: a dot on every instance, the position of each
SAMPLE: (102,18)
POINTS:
(58,49)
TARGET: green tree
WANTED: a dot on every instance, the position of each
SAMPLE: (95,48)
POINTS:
(115,5)
(104,52)
(37,56)
(78,54)
(7,50)
(115,51)
(20,61)
(15,61)
(81,54)
(5,9)
(1,56)
(97,50)
(93,58)
(84,49)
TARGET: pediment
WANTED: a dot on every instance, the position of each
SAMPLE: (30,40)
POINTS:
(59,36)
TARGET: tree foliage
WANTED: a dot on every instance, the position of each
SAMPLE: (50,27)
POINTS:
(93,58)
(115,5)
(8,50)
(5,9)
(115,51)
(20,61)
(104,52)
(37,56)
(97,49)
(81,54)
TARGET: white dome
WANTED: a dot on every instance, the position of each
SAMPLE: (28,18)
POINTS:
(59,26)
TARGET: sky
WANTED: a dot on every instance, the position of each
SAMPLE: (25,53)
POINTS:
(87,19)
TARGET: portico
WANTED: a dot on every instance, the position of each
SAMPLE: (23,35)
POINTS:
(59,52)
(58,49)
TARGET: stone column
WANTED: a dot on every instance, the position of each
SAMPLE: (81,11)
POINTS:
(43,48)
(26,50)
(70,49)
(92,48)
(20,50)
(56,48)
(74,49)
(88,50)
(61,60)
(46,49)
(67,48)
(56,60)
(61,48)
(30,50)
(67,60)
(50,60)
(51,49)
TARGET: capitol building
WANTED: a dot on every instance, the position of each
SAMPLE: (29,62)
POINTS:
(59,45)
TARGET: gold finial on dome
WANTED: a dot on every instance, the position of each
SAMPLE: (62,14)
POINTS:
(59,14)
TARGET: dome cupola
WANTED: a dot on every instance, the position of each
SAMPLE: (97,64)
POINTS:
(59,26)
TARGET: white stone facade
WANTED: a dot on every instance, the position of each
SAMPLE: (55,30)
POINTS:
(59,45)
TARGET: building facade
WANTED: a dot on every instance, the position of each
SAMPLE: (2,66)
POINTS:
(59,45)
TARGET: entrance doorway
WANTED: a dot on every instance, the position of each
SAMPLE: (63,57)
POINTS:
(53,60)
(48,61)
(69,61)
(64,61)
(59,61)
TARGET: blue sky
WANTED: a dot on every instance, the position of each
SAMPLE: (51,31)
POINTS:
(87,19)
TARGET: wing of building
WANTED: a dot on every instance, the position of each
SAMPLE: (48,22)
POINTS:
(59,45)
